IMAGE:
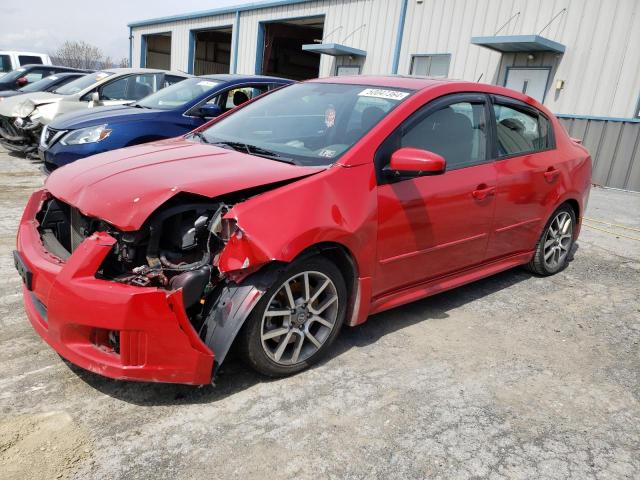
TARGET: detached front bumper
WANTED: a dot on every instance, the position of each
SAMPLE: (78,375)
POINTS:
(77,314)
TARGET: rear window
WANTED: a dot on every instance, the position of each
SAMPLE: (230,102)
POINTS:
(5,63)
(27,59)
(521,131)
(82,83)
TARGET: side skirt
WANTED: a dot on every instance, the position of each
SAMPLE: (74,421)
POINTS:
(426,289)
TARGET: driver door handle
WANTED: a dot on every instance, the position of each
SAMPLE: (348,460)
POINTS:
(551,174)
(483,191)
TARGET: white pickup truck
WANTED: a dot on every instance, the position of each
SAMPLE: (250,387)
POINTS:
(10,60)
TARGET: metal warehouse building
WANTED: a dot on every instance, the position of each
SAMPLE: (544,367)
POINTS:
(581,58)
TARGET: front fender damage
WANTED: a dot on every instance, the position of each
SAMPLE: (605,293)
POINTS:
(231,309)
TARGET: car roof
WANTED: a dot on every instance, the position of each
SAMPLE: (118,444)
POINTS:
(22,52)
(145,70)
(389,81)
(230,77)
(63,68)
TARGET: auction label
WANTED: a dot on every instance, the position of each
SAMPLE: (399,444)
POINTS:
(381,93)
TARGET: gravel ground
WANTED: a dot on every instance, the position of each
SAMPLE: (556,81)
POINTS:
(510,377)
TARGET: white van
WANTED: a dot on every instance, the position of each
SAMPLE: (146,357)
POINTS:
(10,60)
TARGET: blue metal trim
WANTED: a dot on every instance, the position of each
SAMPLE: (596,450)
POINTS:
(546,87)
(236,42)
(334,49)
(595,117)
(259,48)
(217,11)
(191,53)
(519,43)
(143,51)
(399,35)
(130,47)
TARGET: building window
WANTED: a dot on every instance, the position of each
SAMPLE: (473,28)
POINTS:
(347,70)
(436,65)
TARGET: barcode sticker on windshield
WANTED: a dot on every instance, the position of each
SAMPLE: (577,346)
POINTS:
(381,93)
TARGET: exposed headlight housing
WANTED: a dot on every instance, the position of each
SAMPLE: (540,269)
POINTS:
(86,135)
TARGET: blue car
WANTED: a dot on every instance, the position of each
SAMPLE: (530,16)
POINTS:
(170,112)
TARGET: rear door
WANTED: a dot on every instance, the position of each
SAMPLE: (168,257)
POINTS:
(528,175)
(431,226)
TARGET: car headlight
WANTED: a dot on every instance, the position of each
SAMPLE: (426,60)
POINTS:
(86,135)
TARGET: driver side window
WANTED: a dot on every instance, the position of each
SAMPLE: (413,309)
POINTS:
(457,132)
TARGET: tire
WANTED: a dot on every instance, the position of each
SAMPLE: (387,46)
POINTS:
(553,249)
(270,337)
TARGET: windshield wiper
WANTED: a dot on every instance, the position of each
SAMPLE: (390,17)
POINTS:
(253,150)
(262,152)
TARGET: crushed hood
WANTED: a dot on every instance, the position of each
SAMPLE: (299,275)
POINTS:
(22,105)
(125,186)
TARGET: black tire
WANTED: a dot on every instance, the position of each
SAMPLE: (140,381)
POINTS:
(538,265)
(250,344)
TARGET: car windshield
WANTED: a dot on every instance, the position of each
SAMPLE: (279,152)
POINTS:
(306,123)
(40,85)
(82,83)
(178,94)
(13,75)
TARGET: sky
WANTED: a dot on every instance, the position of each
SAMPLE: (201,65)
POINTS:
(42,25)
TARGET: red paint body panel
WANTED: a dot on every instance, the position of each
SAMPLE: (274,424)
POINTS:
(408,239)
(125,186)
(68,304)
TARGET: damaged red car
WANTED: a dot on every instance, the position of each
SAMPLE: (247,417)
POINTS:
(308,209)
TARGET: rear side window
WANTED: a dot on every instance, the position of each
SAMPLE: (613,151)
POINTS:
(26,59)
(5,64)
(520,131)
(457,132)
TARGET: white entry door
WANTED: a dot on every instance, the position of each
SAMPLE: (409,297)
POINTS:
(530,81)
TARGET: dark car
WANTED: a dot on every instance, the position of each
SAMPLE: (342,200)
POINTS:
(23,76)
(167,113)
(47,84)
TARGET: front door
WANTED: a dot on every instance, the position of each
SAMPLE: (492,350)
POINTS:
(430,226)
(530,81)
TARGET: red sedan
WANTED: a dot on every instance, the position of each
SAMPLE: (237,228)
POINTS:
(272,226)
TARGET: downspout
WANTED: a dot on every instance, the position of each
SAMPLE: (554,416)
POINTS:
(396,52)
(130,47)
(236,41)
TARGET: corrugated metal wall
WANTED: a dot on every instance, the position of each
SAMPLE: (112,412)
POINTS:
(614,147)
(601,65)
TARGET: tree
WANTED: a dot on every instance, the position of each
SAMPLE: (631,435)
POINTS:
(79,55)
(124,62)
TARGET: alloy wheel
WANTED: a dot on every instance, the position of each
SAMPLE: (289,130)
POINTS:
(299,318)
(557,241)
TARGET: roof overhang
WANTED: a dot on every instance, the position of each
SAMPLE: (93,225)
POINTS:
(334,49)
(519,44)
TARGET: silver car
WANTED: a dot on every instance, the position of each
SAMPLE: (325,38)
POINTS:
(22,117)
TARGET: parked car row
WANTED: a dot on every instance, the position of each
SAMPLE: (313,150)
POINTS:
(283,218)
(22,117)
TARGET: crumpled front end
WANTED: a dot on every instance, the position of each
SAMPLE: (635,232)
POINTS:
(110,326)
(21,125)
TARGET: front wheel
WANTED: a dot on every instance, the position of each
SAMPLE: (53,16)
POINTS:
(554,246)
(296,320)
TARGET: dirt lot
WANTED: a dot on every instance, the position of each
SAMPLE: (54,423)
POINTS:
(511,377)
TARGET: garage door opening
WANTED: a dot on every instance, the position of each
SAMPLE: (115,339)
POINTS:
(157,51)
(282,53)
(212,51)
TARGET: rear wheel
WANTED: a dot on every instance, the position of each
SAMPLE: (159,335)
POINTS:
(296,320)
(554,246)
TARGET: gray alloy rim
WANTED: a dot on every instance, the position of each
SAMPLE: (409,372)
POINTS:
(299,318)
(557,241)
